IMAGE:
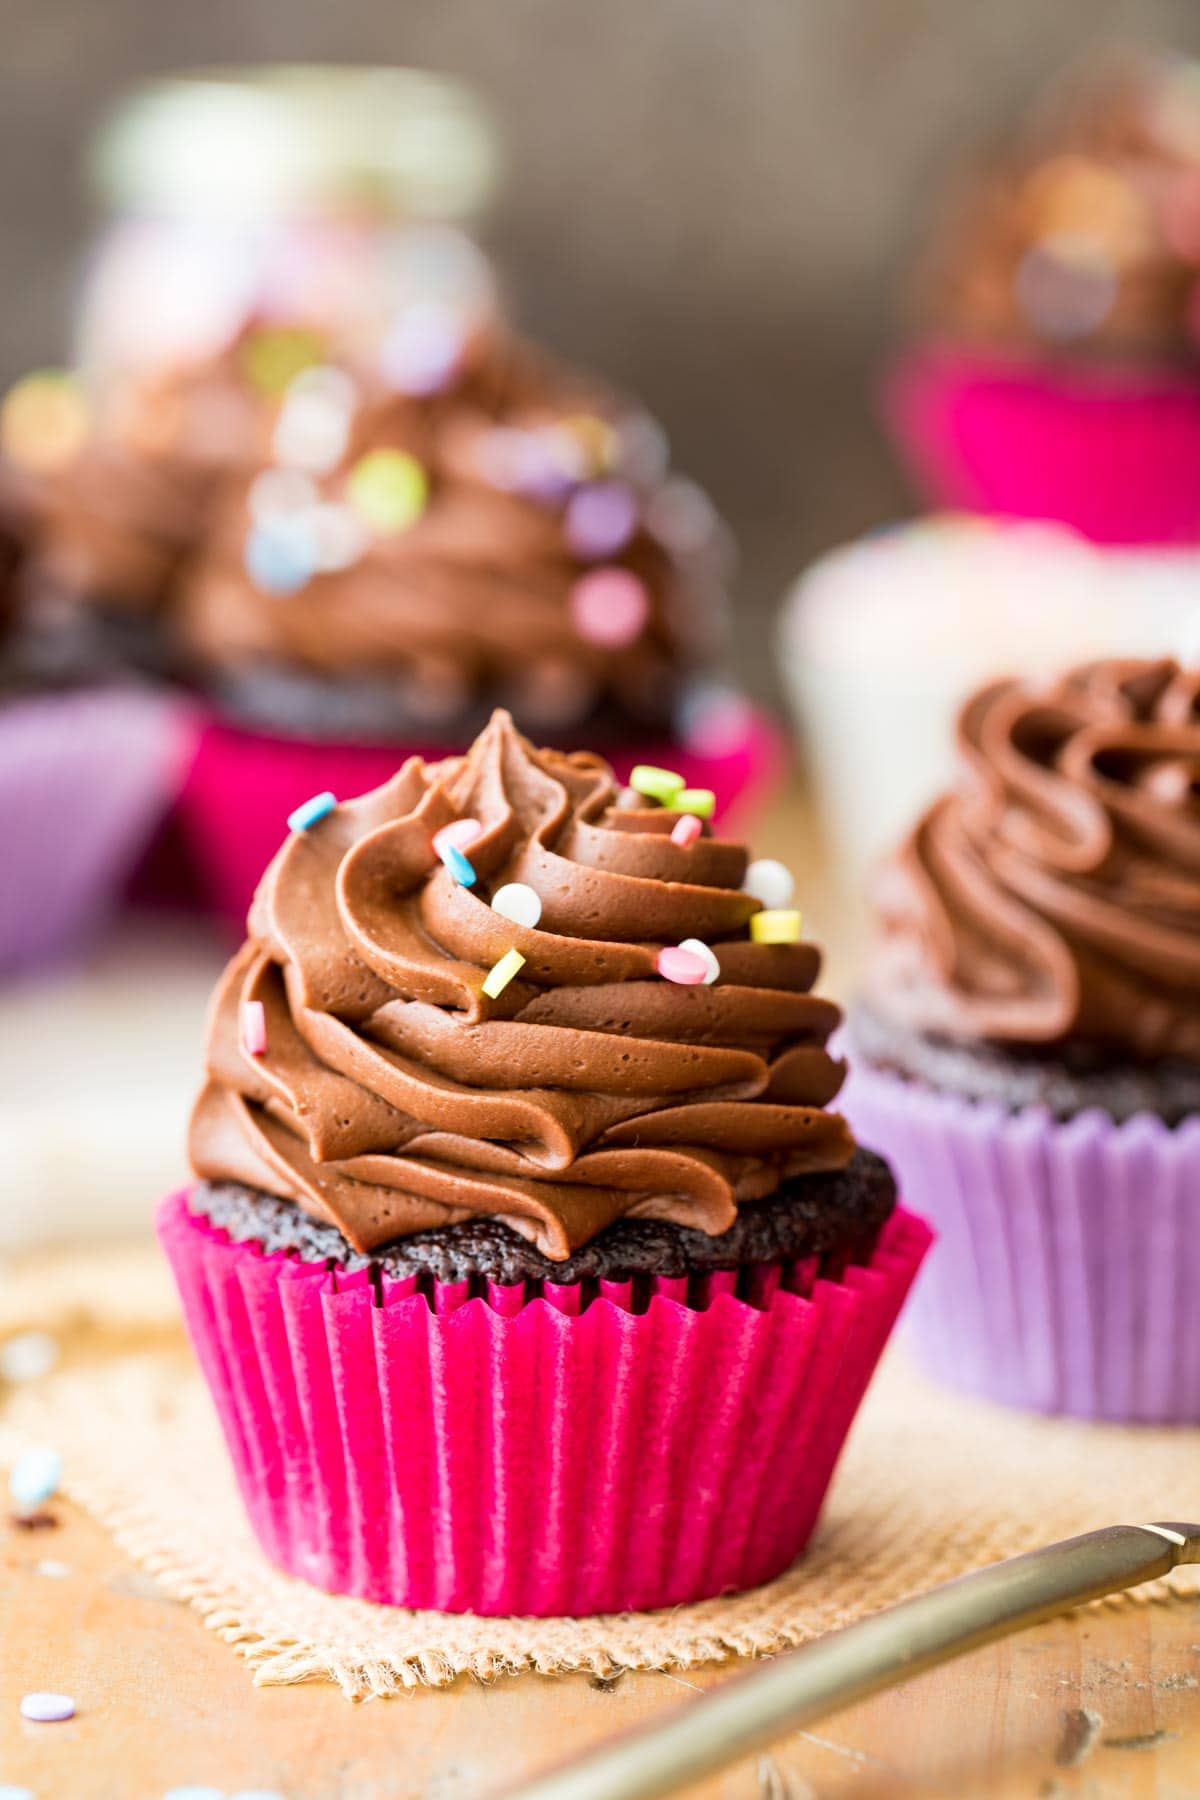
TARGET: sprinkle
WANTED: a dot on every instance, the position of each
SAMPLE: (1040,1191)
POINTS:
(194,1793)
(707,957)
(775,927)
(10,1792)
(460,866)
(642,449)
(388,489)
(543,465)
(47,1709)
(339,537)
(596,438)
(769,881)
(686,830)
(312,812)
(281,553)
(53,1571)
(609,607)
(257,1794)
(312,430)
(277,491)
(502,972)
(600,519)
(44,420)
(682,517)
(701,802)
(460,832)
(272,359)
(27,1356)
(35,1477)
(254,1028)
(715,720)
(422,352)
(656,784)
(34,1521)
(675,963)
(518,902)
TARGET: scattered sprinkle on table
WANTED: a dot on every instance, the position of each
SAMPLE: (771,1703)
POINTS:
(696,947)
(53,1571)
(27,1356)
(656,784)
(9,1792)
(769,881)
(502,972)
(459,865)
(312,812)
(518,902)
(47,1709)
(682,965)
(34,1477)
(775,927)
(699,802)
(462,833)
(254,1028)
(686,830)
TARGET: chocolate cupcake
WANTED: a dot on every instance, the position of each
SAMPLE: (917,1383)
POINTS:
(528,1264)
(1027,1050)
(1055,365)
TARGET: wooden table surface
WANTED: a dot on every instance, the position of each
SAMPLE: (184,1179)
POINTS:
(1106,1703)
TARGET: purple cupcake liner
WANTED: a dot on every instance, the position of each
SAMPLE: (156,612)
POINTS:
(1065,1276)
(84,779)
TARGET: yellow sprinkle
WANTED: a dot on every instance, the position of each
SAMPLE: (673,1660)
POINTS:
(658,784)
(388,489)
(775,927)
(44,421)
(273,357)
(699,801)
(597,438)
(502,972)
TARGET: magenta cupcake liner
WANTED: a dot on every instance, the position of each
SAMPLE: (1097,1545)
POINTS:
(84,779)
(532,1453)
(1114,452)
(232,813)
(1067,1266)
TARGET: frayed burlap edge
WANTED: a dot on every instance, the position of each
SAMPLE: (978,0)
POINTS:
(931,1486)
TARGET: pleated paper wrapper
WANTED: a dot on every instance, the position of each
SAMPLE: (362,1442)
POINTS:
(518,1453)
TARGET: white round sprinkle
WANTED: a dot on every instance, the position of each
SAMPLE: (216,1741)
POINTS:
(700,949)
(257,1794)
(9,1792)
(27,1356)
(769,881)
(277,492)
(47,1709)
(54,1571)
(35,1477)
(519,903)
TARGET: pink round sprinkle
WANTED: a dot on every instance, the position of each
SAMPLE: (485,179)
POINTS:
(686,830)
(254,1028)
(609,607)
(683,966)
(458,835)
(47,1709)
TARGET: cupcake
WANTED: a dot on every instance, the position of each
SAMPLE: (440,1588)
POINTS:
(1055,367)
(86,774)
(1027,1047)
(528,1264)
(354,553)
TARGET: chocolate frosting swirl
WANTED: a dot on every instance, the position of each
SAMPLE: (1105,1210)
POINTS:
(394,1095)
(1053,897)
(1083,234)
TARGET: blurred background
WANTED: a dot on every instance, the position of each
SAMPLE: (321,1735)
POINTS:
(710,204)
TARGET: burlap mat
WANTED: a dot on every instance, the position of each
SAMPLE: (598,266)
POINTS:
(931,1486)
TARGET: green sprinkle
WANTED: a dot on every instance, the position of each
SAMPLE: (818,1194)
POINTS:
(701,802)
(657,784)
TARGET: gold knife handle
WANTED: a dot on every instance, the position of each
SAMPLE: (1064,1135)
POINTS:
(790,1691)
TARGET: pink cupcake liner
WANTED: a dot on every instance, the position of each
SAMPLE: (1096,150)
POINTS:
(232,813)
(1113,452)
(1067,1267)
(526,1453)
(84,779)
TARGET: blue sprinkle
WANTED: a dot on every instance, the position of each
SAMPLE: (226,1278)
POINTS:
(459,866)
(312,812)
(35,1477)
(281,555)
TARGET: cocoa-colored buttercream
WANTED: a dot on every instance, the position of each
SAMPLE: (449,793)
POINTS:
(394,1095)
(1054,896)
(1083,234)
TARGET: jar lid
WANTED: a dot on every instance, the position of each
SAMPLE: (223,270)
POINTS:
(247,143)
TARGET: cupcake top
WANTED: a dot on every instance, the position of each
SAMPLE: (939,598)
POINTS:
(499,985)
(1084,234)
(1052,899)
(437,519)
